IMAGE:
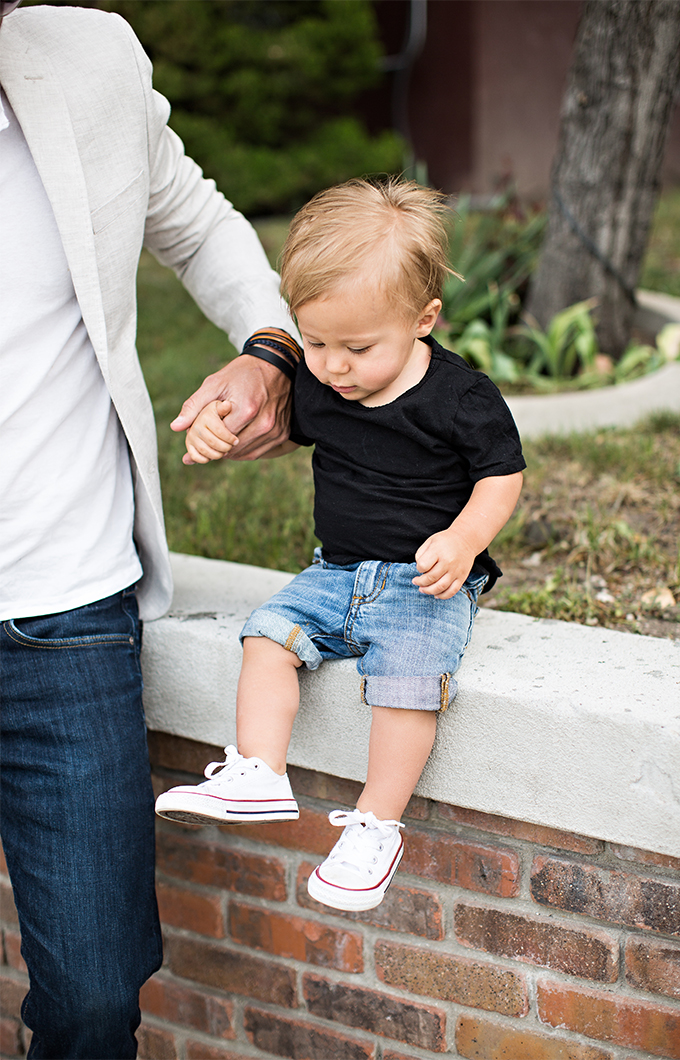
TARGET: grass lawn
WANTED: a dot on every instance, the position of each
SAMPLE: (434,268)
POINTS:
(599,513)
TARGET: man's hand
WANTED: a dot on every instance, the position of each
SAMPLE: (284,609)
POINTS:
(260,398)
(444,561)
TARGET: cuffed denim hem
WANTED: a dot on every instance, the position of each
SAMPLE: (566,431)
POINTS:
(264,623)
(409,693)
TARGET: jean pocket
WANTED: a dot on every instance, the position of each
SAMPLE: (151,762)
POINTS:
(88,640)
(474,585)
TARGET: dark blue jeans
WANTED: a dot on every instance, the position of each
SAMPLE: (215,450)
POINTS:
(78,825)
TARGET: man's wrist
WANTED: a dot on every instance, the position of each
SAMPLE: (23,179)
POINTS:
(277,348)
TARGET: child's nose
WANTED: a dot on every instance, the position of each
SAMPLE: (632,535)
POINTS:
(336,362)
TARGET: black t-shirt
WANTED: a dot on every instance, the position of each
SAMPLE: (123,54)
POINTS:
(387,478)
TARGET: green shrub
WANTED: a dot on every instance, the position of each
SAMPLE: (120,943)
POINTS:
(262,91)
(496,251)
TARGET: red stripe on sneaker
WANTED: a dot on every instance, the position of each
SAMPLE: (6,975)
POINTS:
(360,890)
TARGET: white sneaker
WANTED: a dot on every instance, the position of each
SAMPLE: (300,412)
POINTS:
(237,790)
(360,867)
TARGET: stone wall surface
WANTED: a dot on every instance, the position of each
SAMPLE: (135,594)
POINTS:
(497,939)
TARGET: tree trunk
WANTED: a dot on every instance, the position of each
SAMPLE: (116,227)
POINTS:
(606,174)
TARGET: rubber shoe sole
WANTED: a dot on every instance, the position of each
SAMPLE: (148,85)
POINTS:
(350,899)
(193,808)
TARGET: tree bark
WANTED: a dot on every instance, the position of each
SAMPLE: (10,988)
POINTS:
(606,173)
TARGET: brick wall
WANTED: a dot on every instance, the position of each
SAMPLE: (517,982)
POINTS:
(498,940)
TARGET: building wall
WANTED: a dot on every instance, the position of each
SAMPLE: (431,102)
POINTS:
(498,939)
(485,94)
(523,52)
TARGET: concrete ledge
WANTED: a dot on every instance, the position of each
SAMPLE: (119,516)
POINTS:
(555,723)
(609,406)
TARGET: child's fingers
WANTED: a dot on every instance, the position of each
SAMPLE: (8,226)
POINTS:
(200,453)
(204,446)
(425,557)
(442,588)
(442,580)
(208,438)
(223,408)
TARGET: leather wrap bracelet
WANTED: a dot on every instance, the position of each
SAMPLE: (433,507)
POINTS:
(288,352)
(271,358)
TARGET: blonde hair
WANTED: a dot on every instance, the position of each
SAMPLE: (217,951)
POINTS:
(393,227)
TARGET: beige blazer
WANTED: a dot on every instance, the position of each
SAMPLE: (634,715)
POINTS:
(117,177)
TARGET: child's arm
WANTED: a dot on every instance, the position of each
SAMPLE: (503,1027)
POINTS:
(446,558)
(208,438)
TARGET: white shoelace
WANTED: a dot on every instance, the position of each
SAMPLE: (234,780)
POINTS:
(364,835)
(221,769)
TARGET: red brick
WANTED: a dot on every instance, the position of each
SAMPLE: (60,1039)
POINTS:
(179,754)
(8,912)
(175,753)
(345,792)
(231,970)
(12,993)
(404,909)
(393,1017)
(178,1003)
(451,978)
(324,786)
(532,833)
(571,948)
(297,938)
(198,1051)
(12,950)
(190,858)
(646,857)
(311,833)
(156,1044)
(613,1018)
(297,1040)
(189,909)
(477,1039)
(10,1038)
(617,897)
(652,964)
(442,858)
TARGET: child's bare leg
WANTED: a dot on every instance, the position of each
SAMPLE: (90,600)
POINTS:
(400,744)
(267,701)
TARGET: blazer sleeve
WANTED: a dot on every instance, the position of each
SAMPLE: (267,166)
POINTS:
(193,229)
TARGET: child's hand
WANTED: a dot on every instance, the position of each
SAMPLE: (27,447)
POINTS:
(207,438)
(444,562)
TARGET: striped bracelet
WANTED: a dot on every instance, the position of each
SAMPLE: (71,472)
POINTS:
(283,343)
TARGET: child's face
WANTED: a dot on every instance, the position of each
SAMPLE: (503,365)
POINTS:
(357,343)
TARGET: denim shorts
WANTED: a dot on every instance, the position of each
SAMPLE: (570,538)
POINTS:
(408,645)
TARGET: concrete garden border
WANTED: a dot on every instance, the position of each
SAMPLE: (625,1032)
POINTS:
(611,406)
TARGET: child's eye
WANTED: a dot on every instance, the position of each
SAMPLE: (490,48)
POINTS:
(316,345)
(362,350)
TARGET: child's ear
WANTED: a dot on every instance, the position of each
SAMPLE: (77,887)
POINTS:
(428,317)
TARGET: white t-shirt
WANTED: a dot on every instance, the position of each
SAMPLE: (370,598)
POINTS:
(66,497)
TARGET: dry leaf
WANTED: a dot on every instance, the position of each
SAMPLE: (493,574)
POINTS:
(659,598)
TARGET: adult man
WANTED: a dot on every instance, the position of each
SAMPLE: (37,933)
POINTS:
(88,172)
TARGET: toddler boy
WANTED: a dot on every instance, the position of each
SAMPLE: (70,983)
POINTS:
(417,466)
